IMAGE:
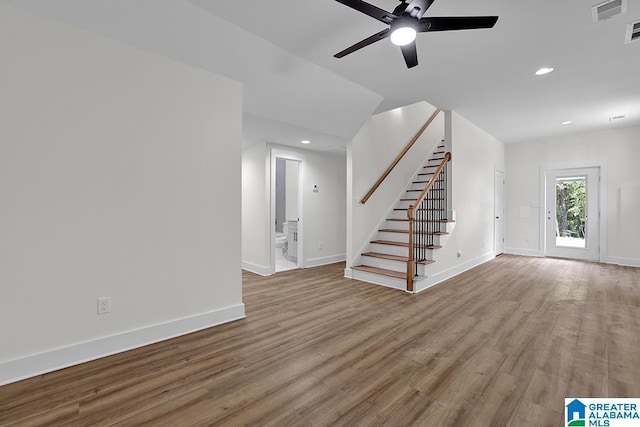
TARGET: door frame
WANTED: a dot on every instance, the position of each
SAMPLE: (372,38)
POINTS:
(498,187)
(602,201)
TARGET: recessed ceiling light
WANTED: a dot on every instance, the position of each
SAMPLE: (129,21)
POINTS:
(306,141)
(543,71)
(568,122)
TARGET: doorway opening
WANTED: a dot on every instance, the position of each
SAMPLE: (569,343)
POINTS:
(286,203)
(572,213)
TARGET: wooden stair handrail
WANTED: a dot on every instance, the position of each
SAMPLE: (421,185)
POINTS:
(411,214)
(400,156)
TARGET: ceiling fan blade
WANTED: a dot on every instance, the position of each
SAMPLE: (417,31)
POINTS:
(455,23)
(371,10)
(410,53)
(364,43)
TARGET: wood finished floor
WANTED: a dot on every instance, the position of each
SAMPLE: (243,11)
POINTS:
(499,345)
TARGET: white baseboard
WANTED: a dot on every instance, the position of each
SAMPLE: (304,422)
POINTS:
(523,252)
(42,363)
(258,269)
(447,274)
(316,262)
(625,262)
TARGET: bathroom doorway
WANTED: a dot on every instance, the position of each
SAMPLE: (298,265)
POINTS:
(286,213)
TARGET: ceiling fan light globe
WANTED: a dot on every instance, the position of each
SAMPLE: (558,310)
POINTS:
(403,36)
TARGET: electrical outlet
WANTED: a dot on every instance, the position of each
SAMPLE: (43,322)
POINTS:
(320,245)
(459,253)
(104,305)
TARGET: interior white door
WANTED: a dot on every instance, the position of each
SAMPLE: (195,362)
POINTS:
(572,228)
(499,212)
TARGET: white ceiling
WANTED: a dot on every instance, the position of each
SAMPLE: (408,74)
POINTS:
(282,50)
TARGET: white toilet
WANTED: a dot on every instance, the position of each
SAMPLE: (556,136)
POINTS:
(281,242)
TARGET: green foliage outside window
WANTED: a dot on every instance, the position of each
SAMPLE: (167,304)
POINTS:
(570,209)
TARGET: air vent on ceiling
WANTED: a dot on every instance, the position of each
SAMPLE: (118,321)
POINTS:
(633,32)
(608,10)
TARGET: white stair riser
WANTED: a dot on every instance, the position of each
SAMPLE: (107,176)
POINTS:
(437,241)
(398,225)
(404,204)
(398,214)
(404,225)
(389,249)
(402,214)
(419,185)
(387,264)
(396,250)
(379,279)
(393,237)
(404,237)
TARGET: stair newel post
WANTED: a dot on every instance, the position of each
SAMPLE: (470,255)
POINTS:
(411,262)
(446,190)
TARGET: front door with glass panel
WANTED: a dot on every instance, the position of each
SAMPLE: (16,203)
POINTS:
(571,213)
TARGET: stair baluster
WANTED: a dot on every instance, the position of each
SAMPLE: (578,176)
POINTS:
(426,216)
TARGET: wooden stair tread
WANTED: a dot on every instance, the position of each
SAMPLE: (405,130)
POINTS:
(402,244)
(382,271)
(420,209)
(395,230)
(427,181)
(396,258)
(405,219)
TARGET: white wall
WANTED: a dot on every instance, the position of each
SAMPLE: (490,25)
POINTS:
(617,149)
(119,177)
(324,211)
(372,150)
(255,208)
(322,215)
(475,155)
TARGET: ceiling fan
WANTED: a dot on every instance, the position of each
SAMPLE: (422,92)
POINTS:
(406,20)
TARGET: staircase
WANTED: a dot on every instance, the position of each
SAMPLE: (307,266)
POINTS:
(388,260)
